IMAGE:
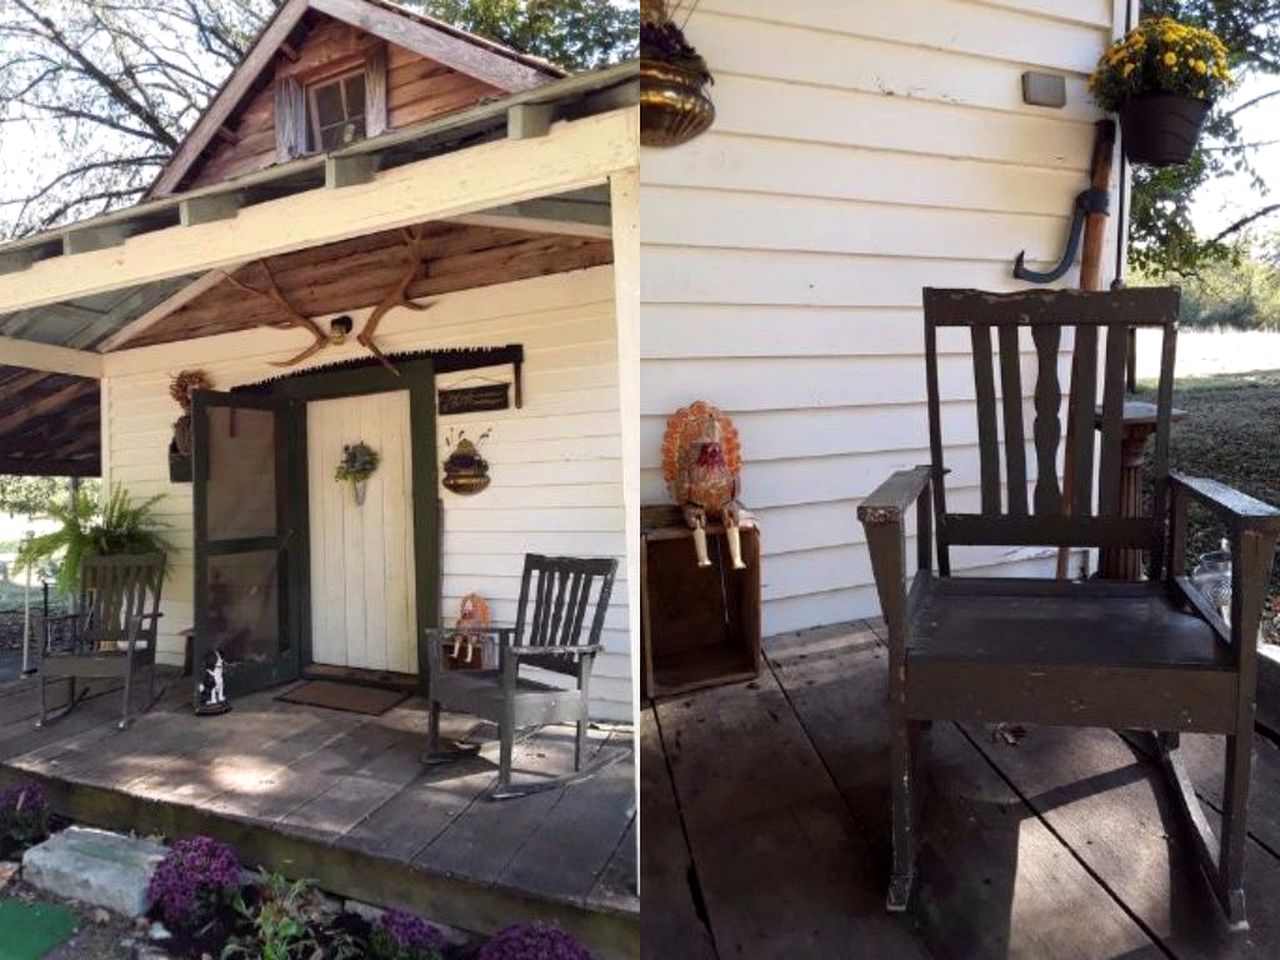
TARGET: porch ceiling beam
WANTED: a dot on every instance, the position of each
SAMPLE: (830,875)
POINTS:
(11,388)
(21,466)
(50,358)
(43,406)
(574,155)
(550,215)
(166,307)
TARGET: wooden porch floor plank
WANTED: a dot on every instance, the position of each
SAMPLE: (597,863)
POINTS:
(616,887)
(352,797)
(1204,756)
(1109,803)
(992,881)
(485,837)
(779,863)
(596,813)
(670,925)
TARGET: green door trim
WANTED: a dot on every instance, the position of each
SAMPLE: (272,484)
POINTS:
(416,375)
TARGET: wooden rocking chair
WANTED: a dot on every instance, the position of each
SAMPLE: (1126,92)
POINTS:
(548,636)
(112,635)
(1151,655)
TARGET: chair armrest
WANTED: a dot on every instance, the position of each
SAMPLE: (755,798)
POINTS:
(889,501)
(1243,511)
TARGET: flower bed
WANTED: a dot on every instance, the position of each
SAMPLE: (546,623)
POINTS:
(209,907)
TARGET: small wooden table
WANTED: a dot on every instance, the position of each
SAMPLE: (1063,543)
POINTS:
(699,626)
(1138,422)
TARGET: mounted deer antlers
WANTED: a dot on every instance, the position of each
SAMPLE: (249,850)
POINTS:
(398,296)
(296,319)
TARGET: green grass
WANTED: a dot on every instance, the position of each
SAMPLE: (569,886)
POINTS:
(1232,434)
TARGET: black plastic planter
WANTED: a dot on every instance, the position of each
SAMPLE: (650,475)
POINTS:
(1161,129)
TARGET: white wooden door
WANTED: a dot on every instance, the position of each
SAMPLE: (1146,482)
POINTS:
(363,611)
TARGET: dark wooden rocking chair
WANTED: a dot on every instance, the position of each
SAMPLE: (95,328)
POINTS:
(1151,655)
(548,636)
(112,635)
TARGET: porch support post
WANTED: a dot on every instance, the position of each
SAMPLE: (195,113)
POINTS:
(624,194)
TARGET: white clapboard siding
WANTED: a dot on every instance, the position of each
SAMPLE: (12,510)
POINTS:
(861,151)
(555,464)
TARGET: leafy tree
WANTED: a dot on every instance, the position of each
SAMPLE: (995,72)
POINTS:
(95,95)
(1242,293)
(37,496)
(1162,238)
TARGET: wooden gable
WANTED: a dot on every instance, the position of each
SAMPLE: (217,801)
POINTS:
(264,113)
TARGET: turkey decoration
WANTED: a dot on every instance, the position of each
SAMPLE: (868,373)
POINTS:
(702,463)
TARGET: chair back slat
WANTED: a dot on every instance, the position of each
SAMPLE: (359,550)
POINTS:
(1112,423)
(1015,443)
(559,590)
(1048,429)
(984,382)
(120,588)
(1085,381)
(1065,329)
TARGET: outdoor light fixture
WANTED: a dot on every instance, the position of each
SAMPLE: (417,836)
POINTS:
(339,327)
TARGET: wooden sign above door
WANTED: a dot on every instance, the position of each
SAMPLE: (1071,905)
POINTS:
(489,396)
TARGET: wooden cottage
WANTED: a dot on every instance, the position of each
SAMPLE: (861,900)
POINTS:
(376,209)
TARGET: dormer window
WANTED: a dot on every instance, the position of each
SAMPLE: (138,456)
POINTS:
(336,110)
(329,105)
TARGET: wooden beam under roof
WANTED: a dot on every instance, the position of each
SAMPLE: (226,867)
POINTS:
(21,466)
(466,56)
(166,307)
(45,405)
(50,358)
(574,155)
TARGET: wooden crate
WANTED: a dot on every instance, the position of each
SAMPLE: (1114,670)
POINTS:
(700,626)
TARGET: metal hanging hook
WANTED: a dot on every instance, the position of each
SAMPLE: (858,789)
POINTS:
(1088,201)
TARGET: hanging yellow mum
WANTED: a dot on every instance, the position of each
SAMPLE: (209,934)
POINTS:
(1160,55)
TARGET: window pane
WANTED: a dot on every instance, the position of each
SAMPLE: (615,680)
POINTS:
(355,95)
(328,105)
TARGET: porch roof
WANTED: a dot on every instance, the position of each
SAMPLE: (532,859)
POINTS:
(48,332)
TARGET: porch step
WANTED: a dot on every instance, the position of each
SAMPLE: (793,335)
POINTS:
(96,867)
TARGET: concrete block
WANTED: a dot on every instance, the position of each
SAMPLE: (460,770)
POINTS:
(95,867)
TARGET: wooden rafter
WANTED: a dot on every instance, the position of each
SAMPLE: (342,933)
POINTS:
(45,405)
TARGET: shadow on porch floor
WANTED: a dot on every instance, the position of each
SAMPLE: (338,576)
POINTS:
(344,799)
(766,830)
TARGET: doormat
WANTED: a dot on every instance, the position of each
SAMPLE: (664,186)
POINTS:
(350,697)
(32,930)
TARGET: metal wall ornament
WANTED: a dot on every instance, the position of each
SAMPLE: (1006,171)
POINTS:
(466,472)
(674,106)
(702,465)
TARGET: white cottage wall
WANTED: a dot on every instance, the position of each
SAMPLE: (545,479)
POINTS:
(555,464)
(861,151)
